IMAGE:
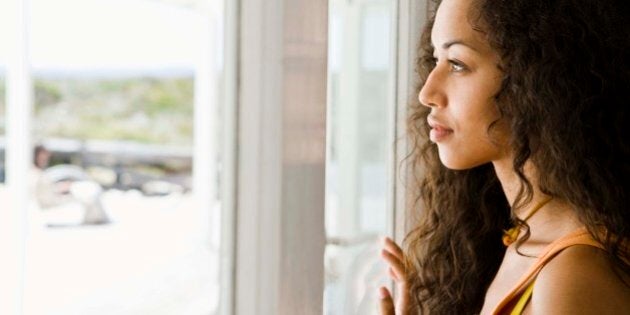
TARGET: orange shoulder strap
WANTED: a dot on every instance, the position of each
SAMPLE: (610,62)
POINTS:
(579,237)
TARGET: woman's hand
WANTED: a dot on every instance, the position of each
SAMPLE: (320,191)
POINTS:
(393,255)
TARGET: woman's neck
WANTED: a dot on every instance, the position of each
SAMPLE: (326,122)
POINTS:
(510,181)
(551,221)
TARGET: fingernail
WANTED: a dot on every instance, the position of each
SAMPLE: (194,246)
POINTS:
(383,293)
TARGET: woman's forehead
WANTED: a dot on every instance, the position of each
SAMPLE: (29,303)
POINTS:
(453,24)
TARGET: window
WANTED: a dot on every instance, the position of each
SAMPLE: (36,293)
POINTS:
(177,251)
(124,212)
(360,151)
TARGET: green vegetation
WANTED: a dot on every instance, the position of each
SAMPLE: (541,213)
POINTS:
(148,110)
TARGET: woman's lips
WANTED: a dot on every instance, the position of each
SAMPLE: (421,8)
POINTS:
(439,132)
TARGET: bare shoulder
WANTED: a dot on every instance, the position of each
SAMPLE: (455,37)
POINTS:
(580,280)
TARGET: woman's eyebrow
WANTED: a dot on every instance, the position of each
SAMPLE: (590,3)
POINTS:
(450,43)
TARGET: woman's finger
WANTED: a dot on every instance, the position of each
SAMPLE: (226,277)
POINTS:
(386,304)
(393,248)
(393,275)
(395,264)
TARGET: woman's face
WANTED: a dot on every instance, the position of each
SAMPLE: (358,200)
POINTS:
(460,91)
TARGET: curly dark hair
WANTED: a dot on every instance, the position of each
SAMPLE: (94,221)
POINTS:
(564,95)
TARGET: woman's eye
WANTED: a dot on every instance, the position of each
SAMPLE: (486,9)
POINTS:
(457,66)
(453,64)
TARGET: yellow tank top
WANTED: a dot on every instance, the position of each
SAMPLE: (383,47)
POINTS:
(523,300)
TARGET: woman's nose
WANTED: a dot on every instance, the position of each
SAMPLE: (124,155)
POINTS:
(431,94)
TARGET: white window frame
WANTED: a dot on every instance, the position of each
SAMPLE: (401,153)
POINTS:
(19,95)
(279,241)
(229,150)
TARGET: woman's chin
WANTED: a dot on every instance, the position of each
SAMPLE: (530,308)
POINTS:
(459,164)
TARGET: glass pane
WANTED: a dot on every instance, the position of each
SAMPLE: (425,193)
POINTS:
(115,227)
(361,42)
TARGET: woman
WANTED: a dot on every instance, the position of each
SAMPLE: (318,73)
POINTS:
(524,195)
